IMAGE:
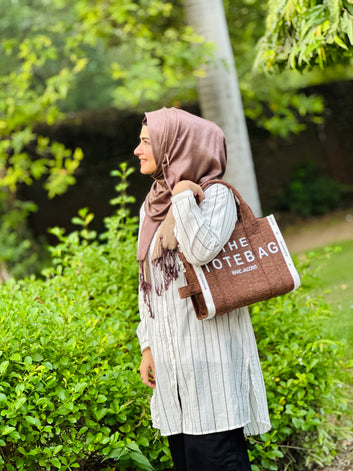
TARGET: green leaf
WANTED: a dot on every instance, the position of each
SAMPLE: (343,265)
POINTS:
(101,398)
(33,421)
(117,454)
(56,462)
(61,393)
(141,461)
(16,357)
(77,221)
(7,429)
(100,413)
(28,360)
(3,366)
(19,402)
(37,357)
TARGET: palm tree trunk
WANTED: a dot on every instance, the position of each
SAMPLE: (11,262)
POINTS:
(4,273)
(220,98)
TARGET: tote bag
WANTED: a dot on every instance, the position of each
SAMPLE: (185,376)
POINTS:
(254,265)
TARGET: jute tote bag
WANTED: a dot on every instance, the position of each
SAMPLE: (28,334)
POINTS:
(253,266)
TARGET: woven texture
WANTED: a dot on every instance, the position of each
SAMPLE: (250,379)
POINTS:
(253,266)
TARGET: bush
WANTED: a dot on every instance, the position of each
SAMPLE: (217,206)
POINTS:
(304,376)
(309,193)
(20,254)
(70,392)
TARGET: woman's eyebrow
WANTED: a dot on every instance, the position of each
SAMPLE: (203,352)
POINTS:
(144,138)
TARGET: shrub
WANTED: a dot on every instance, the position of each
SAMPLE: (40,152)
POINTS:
(304,375)
(20,253)
(309,193)
(70,393)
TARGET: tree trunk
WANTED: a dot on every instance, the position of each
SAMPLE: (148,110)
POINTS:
(4,273)
(220,98)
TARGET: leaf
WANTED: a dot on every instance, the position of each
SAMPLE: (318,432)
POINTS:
(33,421)
(100,413)
(61,393)
(347,25)
(16,357)
(77,221)
(56,462)
(19,402)
(37,357)
(117,454)
(349,6)
(7,430)
(101,398)
(3,366)
(57,449)
(28,360)
(339,41)
(141,461)
(20,387)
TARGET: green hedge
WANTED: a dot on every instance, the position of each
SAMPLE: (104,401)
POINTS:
(308,192)
(70,391)
(305,380)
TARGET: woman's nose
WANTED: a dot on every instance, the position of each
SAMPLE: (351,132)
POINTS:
(137,150)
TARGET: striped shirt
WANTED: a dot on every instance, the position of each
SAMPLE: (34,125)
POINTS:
(208,374)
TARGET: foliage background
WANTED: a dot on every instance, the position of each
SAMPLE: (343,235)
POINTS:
(69,389)
(69,385)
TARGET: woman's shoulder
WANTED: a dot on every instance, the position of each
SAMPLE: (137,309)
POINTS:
(218,195)
(218,189)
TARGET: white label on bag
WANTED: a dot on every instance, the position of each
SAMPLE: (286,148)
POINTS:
(284,250)
(211,308)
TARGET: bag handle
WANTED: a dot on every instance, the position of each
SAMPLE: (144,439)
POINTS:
(245,214)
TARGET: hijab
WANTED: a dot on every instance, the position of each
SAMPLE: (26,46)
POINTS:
(185,147)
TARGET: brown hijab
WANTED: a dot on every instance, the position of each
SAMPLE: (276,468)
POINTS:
(185,147)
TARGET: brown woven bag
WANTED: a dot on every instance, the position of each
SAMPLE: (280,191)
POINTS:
(253,266)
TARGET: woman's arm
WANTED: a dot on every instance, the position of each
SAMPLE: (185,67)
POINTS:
(142,329)
(203,229)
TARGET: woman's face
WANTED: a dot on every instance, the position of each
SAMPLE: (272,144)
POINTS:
(144,152)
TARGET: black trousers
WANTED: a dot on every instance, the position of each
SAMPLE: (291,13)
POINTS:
(221,451)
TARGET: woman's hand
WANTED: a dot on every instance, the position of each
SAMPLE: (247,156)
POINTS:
(147,368)
(189,185)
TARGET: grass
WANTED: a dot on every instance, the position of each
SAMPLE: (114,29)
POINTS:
(335,285)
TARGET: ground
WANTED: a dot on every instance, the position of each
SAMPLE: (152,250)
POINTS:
(344,459)
(314,233)
(318,232)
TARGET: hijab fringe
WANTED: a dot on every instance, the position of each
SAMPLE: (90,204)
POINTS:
(165,269)
(146,292)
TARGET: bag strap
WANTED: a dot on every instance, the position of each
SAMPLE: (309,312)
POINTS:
(245,214)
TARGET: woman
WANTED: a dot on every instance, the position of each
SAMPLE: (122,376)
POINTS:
(208,390)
